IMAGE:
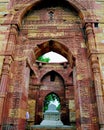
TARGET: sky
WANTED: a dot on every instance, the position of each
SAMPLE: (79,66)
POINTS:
(55,57)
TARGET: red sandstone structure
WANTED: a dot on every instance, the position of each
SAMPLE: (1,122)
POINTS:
(72,28)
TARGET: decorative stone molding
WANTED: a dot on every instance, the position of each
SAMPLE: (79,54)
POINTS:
(95,64)
(90,37)
(6,65)
(98,88)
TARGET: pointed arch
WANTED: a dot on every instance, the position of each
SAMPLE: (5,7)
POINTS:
(22,10)
(57,47)
(52,74)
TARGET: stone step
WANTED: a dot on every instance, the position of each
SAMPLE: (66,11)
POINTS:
(38,127)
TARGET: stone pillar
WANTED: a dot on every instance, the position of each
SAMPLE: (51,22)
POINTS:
(38,105)
(98,89)
(19,95)
(4,85)
(83,112)
(5,71)
(67,98)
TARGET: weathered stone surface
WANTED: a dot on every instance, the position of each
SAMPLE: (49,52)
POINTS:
(76,31)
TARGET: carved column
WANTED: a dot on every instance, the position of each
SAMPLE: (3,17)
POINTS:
(96,73)
(4,85)
(12,39)
(98,89)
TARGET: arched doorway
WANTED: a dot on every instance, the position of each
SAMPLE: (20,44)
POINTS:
(52,86)
(52,98)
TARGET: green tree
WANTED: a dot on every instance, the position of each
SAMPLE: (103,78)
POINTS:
(43,59)
(51,98)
